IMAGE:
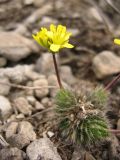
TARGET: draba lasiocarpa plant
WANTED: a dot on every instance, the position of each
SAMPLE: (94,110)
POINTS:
(81,117)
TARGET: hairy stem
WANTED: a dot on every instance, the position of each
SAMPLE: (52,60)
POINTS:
(57,72)
(113,82)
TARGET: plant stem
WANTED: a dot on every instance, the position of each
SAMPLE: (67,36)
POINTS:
(114,131)
(57,72)
(113,82)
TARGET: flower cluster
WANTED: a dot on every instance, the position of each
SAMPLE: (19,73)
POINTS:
(54,39)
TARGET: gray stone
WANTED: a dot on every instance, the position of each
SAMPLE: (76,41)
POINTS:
(4,88)
(33,75)
(42,149)
(46,102)
(12,154)
(66,75)
(28,2)
(45,64)
(20,134)
(15,47)
(11,129)
(39,3)
(27,129)
(39,106)
(3,61)
(74,31)
(52,81)
(46,21)
(40,93)
(31,100)
(94,13)
(106,63)
(5,107)
(22,105)
(16,74)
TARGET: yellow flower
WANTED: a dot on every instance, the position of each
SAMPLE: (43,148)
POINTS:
(54,39)
(117,41)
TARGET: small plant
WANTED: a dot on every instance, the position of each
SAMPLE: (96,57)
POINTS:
(81,119)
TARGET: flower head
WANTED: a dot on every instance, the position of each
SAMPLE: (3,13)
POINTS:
(117,41)
(54,39)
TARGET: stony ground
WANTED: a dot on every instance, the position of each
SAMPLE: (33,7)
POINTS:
(28,130)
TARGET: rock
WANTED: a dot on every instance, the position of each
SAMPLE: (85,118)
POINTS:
(4,88)
(46,21)
(39,106)
(22,105)
(15,47)
(94,13)
(16,74)
(80,154)
(52,81)
(28,2)
(40,93)
(21,29)
(20,116)
(31,100)
(118,124)
(75,32)
(5,107)
(26,128)
(11,129)
(106,63)
(3,142)
(33,75)
(89,156)
(46,102)
(66,75)
(20,134)
(3,61)
(42,149)
(39,3)
(38,13)
(45,64)
(12,154)
(50,134)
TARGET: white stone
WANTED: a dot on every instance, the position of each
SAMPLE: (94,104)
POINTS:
(5,107)
(40,93)
(15,47)
(4,88)
(105,64)
(22,105)
(42,148)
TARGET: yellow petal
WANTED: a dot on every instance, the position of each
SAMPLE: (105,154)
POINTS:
(117,41)
(36,38)
(52,28)
(54,47)
(49,34)
(68,45)
(61,29)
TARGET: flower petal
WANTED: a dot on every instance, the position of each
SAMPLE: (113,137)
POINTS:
(117,41)
(54,47)
(49,34)
(52,28)
(68,45)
